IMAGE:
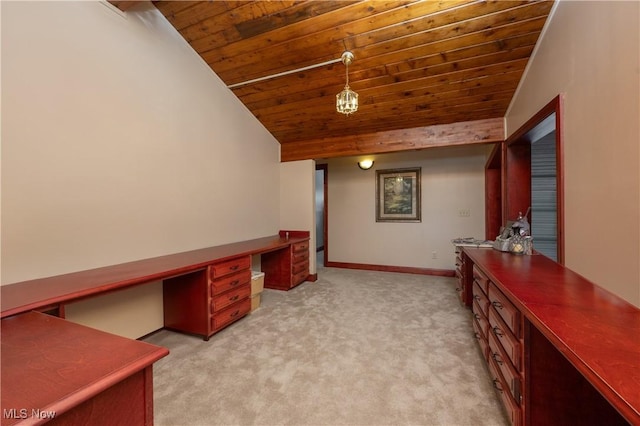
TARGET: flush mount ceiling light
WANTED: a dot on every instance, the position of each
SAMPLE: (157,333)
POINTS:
(365,164)
(347,100)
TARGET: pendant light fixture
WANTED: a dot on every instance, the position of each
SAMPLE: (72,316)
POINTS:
(347,100)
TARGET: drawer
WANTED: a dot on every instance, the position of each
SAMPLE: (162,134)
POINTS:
(481,278)
(507,340)
(509,374)
(229,282)
(299,277)
(230,297)
(299,257)
(480,317)
(229,267)
(301,246)
(505,308)
(482,340)
(481,298)
(297,268)
(512,409)
(230,314)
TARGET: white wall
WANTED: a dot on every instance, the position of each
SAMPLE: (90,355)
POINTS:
(452,179)
(119,143)
(297,201)
(590,53)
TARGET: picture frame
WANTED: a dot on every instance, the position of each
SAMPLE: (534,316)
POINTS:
(398,195)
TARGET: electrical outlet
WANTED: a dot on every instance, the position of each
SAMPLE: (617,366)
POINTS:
(464,212)
(434,254)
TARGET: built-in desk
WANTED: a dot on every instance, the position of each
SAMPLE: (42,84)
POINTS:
(573,350)
(54,370)
(54,292)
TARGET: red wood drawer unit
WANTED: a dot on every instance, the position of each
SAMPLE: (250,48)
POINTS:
(480,307)
(205,301)
(497,326)
(229,266)
(513,410)
(481,337)
(230,314)
(287,267)
(505,309)
(459,275)
(508,341)
(481,279)
(230,282)
(230,297)
(481,298)
(465,278)
(509,373)
(481,319)
(299,262)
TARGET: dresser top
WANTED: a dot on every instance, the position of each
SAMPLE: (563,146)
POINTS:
(597,331)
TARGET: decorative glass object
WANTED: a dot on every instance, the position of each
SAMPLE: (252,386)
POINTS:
(517,244)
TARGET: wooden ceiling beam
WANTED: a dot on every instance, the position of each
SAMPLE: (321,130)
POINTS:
(470,132)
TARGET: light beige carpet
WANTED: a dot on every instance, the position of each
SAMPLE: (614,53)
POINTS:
(353,348)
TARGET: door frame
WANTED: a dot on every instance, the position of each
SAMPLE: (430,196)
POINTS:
(513,157)
(325,211)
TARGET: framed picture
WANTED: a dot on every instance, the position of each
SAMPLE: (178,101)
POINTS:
(398,195)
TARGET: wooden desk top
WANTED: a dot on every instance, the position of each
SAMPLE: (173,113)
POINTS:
(52,365)
(40,293)
(597,331)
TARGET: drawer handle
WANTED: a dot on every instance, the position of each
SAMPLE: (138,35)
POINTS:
(477,336)
(496,358)
(476,316)
(496,385)
(231,299)
(234,283)
(497,304)
(475,296)
(234,267)
(235,314)
(458,289)
(497,331)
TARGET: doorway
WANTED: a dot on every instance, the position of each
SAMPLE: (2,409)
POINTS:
(533,178)
(321,214)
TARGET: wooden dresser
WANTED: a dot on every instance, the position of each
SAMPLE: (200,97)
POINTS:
(498,326)
(463,270)
(560,350)
(283,272)
(207,301)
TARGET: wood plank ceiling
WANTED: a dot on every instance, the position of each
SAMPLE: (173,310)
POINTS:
(421,68)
